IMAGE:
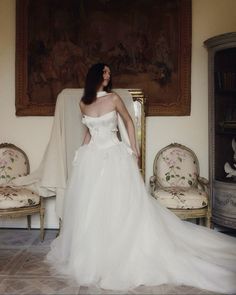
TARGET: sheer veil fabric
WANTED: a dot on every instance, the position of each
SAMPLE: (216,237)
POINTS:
(116,236)
(50,178)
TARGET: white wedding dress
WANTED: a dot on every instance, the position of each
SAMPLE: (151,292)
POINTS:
(116,236)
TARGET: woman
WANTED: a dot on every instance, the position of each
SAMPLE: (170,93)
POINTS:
(98,101)
(114,234)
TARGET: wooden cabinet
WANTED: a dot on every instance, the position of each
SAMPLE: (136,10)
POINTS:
(222,127)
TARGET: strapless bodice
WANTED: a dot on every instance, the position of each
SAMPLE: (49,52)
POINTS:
(103,129)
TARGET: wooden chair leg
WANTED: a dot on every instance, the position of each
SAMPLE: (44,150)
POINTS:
(42,225)
(212,225)
(208,222)
(42,213)
(29,221)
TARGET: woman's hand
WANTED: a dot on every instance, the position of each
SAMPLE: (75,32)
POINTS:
(136,154)
(87,137)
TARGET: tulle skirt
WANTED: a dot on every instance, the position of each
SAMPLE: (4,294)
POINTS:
(116,236)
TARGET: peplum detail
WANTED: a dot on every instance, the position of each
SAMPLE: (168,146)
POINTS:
(103,130)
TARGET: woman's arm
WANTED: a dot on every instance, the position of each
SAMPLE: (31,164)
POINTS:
(87,137)
(120,107)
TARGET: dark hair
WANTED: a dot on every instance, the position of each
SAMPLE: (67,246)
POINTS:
(93,81)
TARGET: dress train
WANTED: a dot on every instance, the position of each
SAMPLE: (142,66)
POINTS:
(116,236)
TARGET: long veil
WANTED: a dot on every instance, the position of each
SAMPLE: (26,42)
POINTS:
(67,133)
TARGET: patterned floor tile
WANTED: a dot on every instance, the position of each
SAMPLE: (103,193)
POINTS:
(17,237)
(147,290)
(49,236)
(44,286)
(6,256)
(93,290)
(169,290)
(32,263)
(8,259)
(23,270)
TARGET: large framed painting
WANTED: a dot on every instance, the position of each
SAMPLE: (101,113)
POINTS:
(147,44)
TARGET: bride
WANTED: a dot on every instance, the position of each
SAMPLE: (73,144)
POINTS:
(114,234)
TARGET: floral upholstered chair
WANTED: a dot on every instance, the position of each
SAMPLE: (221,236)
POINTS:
(177,185)
(17,201)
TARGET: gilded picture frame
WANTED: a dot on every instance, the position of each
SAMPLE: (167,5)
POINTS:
(147,44)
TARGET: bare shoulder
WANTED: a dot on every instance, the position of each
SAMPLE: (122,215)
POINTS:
(115,98)
(119,105)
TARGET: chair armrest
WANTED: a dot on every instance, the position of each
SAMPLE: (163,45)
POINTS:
(152,182)
(203,180)
(204,183)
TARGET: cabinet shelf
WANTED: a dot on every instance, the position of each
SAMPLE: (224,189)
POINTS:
(226,128)
(227,180)
(228,125)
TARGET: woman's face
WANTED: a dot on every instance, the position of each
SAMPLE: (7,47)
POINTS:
(106,76)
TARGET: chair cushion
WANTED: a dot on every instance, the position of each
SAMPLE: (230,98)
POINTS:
(176,166)
(17,197)
(175,198)
(12,164)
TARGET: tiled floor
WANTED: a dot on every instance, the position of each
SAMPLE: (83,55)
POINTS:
(22,270)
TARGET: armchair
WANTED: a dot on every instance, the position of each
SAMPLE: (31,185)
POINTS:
(17,201)
(177,185)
